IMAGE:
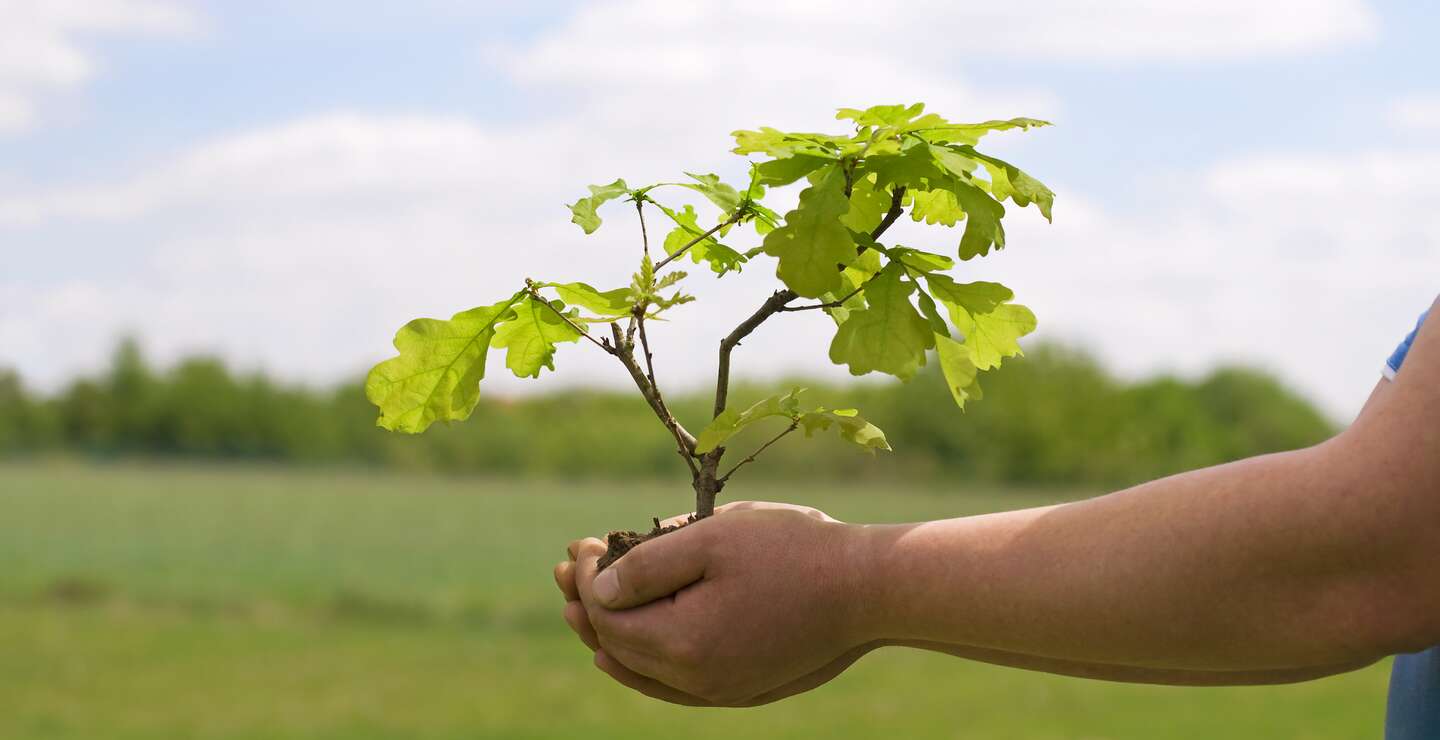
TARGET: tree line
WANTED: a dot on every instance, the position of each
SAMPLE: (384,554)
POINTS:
(1054,417)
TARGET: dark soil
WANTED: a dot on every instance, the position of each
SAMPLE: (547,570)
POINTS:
(622,542)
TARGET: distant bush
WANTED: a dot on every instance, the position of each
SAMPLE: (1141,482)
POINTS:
(1054,418)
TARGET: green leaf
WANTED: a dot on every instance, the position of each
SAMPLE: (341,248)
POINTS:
(982,219)
(529,339)
(970,133)
(959,371)
(935,207)
(812,242)
(615,302)
(992,337)
(886,125)
(780,144)
(722,259)
(850,280)
(889,335)
(868,204)
(723,196)
(894,116)
(731,420)
(1009,181)
(931,312)
(778,172)
(954,162)
(852,427)
(437,375)
(921,261)
(975,298)
(914,167)
(583,210)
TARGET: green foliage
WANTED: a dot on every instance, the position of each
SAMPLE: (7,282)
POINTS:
(530,338)
(885,299)
(608,303)
(1054,417)
(583,210)
(813,241)
(730,422)
(437,375)
(889,335)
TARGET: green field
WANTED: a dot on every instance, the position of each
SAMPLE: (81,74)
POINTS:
(165,602)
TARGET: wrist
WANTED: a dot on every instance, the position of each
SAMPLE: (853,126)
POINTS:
(866,585)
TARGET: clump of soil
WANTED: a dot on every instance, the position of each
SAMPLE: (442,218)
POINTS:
(620,543)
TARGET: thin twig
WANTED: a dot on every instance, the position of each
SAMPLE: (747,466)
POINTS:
(830,304)
(625,351)
(771,306)
(751,457)
(667,418)
(536,295)
(734,219)
(649,359)
(644,235)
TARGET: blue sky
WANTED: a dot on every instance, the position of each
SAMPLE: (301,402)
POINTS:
(275,181)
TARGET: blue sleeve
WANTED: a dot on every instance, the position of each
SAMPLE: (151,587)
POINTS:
(1397,359)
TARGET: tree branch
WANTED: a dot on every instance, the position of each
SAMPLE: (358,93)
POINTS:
(536,295)
(683,438)
(734,219)
(896,208)
(777,303)
(649,359)
(751,457)
(771,307)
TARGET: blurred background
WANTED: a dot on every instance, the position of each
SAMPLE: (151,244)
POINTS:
(214,216)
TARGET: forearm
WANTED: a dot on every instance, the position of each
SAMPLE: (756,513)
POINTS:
(1132,674)
(1281,562)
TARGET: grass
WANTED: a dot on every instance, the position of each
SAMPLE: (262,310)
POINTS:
(201,602)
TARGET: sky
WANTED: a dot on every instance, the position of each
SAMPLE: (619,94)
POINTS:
(285,183)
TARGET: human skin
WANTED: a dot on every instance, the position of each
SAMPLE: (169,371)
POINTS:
(1278,568)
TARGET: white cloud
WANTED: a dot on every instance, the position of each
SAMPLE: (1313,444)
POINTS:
(42,45)
(681,42)
(302,246)
(1278,261)
(1416,113)
(16,113)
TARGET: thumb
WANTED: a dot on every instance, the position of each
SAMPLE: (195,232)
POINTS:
(654,569)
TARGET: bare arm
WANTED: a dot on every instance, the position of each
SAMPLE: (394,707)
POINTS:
(1313,558)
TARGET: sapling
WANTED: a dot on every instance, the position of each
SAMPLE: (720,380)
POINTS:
(891,304)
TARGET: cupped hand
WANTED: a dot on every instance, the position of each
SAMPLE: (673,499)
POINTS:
(745,608)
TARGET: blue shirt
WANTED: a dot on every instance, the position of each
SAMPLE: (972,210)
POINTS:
(1413,711)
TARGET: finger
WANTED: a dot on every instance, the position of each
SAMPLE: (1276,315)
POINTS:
(587,557)
(654,569)
(573,549)
(579,621)
(643,684)
(565,580)
(640,629)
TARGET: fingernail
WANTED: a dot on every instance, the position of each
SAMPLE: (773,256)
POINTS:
(607,586)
